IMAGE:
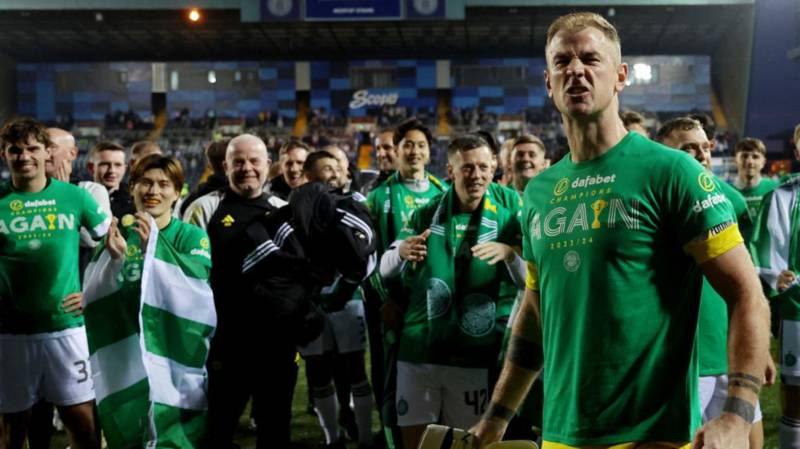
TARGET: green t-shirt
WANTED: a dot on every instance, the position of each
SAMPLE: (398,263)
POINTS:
(392,203)
(39,237)
(754,195)
(619,294)
(712,328)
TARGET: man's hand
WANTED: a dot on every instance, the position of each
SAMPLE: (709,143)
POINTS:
(115,243)
(63,171)
(785,280)
(142,227)
(729,431)
(72,304)
(493,252)
(487,431)
(392,316)
(414,248)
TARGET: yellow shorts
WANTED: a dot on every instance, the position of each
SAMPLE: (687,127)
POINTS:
(637,445)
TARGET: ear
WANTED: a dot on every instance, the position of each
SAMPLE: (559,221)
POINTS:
(90,167)
(225,166)
(547,86)
(73,153)
(622,76)
(449,170)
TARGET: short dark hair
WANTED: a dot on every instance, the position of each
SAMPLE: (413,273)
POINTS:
(105,145)
(169,165)
(529,139)
(676,124)
(215,153)
(490,140)
(466,142)
(410,125)
(707,123)
(19,129)
(630,117)
(750,144)
(292,144)
(312,159)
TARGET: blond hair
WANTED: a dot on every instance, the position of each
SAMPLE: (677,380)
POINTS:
(578,21)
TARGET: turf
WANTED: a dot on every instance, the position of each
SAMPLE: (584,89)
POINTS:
(306,432)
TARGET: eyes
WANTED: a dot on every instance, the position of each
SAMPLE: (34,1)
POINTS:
(561,61)
(481,168)
(410,144)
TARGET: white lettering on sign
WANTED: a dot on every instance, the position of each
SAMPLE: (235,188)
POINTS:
(362,98)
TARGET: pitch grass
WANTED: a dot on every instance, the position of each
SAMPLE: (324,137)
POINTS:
(307,433)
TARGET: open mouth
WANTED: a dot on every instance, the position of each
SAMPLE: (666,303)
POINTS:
(577,90)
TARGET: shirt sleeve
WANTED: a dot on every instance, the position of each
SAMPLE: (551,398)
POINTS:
(93,217)
(701,215)
(197,247)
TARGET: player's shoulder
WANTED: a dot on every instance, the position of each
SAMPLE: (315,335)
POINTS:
(190,236)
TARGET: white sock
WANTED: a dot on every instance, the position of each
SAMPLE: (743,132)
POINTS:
(362,407)
(789,433)
(327,411)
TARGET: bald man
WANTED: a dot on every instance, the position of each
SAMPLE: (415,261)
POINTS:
(143,148)
(233,377)
(63,152)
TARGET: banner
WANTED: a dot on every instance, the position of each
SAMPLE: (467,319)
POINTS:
(353,9)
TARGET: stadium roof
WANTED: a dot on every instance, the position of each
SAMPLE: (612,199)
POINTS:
(81,35)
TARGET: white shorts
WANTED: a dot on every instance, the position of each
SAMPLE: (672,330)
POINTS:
(713,392)
(440,394)
(790,352)
(345,331)
(52,366)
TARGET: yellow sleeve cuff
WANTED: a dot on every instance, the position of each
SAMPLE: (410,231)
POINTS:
(532,278)
(714,245)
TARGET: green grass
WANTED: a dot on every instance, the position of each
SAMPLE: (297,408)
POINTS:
(306,430)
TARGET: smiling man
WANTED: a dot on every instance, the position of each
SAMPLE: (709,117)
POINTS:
(43,348)
(528,159)
(607,231)
(242,323)
(291,157)
(453,280)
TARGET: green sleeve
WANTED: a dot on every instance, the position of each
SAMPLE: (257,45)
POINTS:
(694,201)
(195,245)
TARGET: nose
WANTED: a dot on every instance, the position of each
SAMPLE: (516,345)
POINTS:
(575,67)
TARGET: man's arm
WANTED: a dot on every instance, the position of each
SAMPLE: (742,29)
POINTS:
(522,364)
(733,276)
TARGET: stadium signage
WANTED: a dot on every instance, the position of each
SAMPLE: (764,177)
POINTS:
(362,98)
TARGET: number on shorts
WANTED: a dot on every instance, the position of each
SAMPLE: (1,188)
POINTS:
(81,364)
(477,399)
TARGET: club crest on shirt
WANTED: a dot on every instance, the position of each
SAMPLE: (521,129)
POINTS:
(479,315)
(572,261)
(438,298)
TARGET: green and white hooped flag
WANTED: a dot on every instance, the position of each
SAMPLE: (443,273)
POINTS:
(150,385)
